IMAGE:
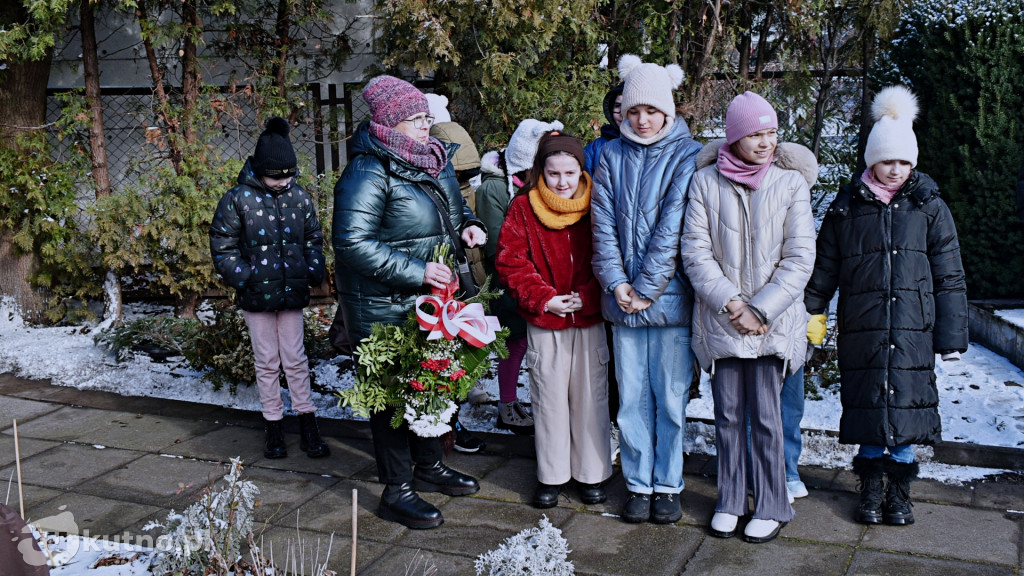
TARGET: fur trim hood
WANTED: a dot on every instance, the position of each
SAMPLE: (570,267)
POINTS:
(491,164)
(788,156)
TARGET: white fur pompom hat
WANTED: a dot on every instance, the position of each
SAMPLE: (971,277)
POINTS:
(648,84)
(438,105)
(892,137)
(522,146)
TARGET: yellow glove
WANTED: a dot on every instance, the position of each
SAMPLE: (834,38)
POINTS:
(816,329)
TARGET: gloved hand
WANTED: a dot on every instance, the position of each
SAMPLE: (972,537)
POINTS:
(816,329)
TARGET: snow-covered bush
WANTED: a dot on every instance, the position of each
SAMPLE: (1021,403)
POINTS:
(206,538)
(540,551)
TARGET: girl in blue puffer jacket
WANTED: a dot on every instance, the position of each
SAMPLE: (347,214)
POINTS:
(639,197)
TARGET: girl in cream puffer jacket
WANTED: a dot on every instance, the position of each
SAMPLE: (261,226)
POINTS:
(767,262)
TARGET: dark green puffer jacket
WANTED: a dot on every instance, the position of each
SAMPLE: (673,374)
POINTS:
(385,229)
(267,245)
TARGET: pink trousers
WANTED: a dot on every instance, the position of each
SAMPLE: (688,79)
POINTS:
(277,345)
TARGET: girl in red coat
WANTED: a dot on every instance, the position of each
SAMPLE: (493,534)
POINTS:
(544,254)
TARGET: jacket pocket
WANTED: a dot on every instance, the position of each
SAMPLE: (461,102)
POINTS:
(927,300)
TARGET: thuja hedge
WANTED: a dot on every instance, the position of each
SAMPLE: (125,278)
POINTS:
(965,61)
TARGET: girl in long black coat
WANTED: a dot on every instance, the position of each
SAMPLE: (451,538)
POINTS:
(889,245)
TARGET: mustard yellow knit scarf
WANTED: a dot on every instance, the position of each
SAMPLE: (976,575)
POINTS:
(555,212)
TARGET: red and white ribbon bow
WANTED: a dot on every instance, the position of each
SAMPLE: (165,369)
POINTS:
(454,318)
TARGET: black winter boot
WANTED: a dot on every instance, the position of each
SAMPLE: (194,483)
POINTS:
(871,484)
(399,503)
(897,508)
(274,446)
(437,477)
(310,441)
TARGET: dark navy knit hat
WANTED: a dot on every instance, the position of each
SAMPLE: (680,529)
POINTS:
(274,155)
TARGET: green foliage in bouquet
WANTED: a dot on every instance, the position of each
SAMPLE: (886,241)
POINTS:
(399,368)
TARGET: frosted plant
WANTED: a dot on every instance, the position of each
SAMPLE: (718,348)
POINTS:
(540,551)
(206,538)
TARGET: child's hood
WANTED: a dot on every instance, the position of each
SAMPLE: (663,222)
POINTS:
(788,155)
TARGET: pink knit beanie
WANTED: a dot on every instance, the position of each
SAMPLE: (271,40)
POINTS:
(748,113)
(392,100)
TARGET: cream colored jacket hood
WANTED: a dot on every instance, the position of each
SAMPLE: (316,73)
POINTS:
(753,245)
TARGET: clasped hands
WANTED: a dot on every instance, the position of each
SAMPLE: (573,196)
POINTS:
(744,320)
(628,300)
(565,304)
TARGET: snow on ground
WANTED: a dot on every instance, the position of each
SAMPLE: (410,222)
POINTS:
(1015,317)
(981,396)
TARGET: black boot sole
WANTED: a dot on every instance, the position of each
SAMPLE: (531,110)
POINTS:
(318,453)
(427,486)
(275,455)
(863,518)
(899,520)
(385,513)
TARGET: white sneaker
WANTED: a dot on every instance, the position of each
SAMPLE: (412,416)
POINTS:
(615,442)
(759,531)
(796,489)
(723,525)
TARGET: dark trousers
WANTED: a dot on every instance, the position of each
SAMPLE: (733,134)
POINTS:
(397,449)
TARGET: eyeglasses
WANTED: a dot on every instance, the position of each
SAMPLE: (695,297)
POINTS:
(421,121)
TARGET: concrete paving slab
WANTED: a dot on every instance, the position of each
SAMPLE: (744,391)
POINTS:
(870,563)
(513,481)
(933,491)
(401,560)
(734,557)
(21,410)
(816,478)
(281,494)
(144,431)
(999,493)
(221,444)
(347,458)
(331,511)
(32,495)
(473,526)
(608,546)
(26,446)
(164,481)
(826,517)
(951,532)
(91,516)
(71,423)
(699,498)
(70,465)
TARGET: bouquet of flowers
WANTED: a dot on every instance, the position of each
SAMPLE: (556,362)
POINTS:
(425,367)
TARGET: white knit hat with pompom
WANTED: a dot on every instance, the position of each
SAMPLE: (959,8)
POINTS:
(648,84)
(522,146)
(892,137)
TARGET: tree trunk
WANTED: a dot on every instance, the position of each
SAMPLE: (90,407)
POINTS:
(98,143)
(22,109)
(170,127)
(282,36)
(746,21)
(189,71)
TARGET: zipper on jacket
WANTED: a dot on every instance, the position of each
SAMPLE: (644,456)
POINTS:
(886,391)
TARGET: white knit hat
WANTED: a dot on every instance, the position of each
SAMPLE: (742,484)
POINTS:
(438,108)
(892,137)
(648,84)
(522,147)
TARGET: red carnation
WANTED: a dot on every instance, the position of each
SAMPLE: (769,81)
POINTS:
(416,385)
(443,387)
(457,374)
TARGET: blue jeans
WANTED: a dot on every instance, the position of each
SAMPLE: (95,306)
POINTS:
(653,366)
(904,453)
(792,413)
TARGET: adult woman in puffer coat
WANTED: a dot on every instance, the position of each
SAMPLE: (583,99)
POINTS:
(748,250)
(385,229)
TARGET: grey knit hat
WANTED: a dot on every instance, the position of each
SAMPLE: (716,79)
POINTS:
(647,84)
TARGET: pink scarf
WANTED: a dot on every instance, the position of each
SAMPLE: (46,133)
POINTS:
(430,157)
(881,191)
(734,168)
